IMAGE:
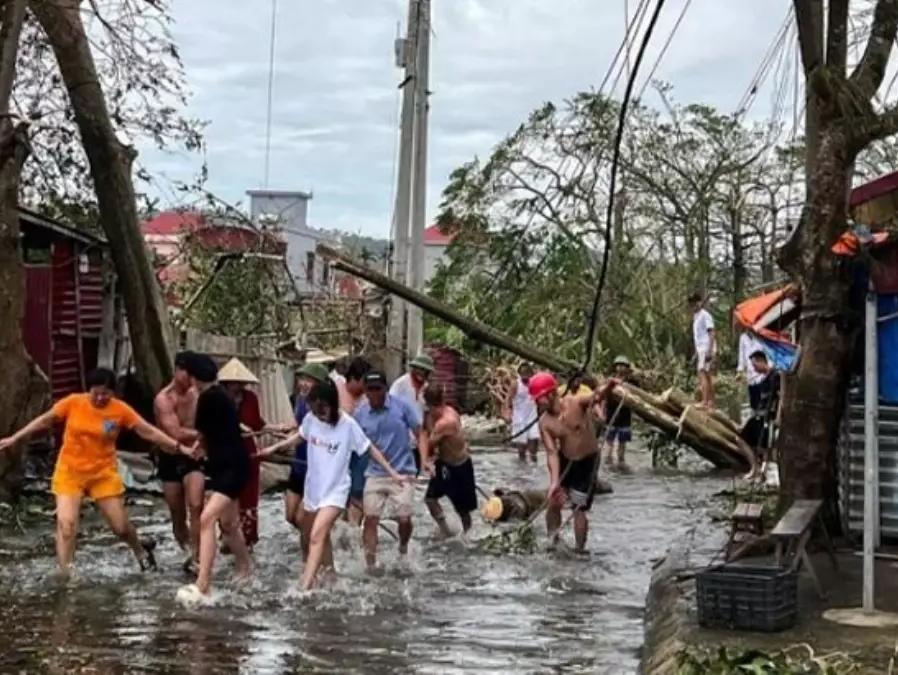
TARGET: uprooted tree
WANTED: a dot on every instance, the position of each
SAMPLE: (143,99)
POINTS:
(841,121)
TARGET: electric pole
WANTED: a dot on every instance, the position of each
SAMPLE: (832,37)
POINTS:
(419,192)
(406,57)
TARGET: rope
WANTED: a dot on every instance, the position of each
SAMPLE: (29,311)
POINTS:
(561,478)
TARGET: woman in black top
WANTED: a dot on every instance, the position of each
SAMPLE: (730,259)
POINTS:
(228,469)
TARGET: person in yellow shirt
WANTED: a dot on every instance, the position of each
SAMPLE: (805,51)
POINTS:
(87,465)
(575,387)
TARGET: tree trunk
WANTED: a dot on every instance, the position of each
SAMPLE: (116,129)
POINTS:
(813,400)
(24,390)
(110,166)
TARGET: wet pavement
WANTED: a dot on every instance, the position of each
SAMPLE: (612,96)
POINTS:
(449,609)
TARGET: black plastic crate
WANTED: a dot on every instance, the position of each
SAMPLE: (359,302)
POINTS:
(747,598)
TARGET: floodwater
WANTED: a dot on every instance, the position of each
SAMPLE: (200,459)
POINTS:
(450,609)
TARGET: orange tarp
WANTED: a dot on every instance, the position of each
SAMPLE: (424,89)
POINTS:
(849,243)
(758,313)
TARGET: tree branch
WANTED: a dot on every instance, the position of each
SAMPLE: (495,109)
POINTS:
(837,39)
(870,71)
(809,19)
(11,28)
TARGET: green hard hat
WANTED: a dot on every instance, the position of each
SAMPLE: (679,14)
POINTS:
(314,371)
(422,362)
(621,361)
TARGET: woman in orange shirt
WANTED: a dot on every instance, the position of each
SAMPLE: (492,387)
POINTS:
(87,465)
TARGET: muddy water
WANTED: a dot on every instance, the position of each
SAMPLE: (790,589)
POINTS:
(449,609)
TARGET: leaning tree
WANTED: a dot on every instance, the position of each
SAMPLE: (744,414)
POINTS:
(843,117)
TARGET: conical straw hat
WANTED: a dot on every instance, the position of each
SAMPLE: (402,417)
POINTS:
(235,371)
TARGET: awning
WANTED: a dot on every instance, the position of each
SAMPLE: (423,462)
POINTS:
(769,315)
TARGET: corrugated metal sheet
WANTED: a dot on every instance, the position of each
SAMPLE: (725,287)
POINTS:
(851,470)
(65,368)
(445,369)
(36,322)
(274,398)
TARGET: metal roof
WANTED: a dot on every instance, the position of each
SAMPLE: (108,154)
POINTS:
(27,216)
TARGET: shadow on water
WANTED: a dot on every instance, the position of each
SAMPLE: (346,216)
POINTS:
(449,608)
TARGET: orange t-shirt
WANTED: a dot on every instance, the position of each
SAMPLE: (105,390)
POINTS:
(88,443)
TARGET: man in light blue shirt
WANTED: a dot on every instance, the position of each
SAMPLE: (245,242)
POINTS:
(389,422)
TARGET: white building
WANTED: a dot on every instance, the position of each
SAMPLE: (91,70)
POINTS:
(435,245)
(286,212)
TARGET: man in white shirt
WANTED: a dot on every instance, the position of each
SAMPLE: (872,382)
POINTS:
(749,345)
(705,347)
(410,387)
(524,427)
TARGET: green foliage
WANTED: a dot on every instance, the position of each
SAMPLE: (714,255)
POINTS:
(530,223)
(246,295)
(519,541)
(798,660)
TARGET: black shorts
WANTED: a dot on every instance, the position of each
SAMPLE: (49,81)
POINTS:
(456,483)
(756,433)
(296,483)
(228,480)
(175,468)
(580,480)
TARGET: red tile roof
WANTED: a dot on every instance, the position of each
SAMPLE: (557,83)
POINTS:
(434,237)
(174,222)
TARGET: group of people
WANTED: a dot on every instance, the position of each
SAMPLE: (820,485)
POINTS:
(359,444)
(762,379)
(523,414)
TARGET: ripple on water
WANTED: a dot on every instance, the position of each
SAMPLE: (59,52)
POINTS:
(448,608)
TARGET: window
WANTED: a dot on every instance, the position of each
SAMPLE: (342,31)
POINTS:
(310,267)
(325,274)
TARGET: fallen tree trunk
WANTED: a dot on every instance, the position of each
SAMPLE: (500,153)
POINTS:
(713,445)
(110,163)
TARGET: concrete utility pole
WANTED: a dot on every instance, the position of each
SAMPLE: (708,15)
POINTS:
(406,57)
(419,193)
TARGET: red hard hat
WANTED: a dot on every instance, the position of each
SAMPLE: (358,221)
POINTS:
(541,384)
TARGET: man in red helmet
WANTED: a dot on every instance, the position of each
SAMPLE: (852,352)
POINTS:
(568,425)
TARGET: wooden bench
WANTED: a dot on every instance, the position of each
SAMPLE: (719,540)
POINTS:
(747,528)
(792,534)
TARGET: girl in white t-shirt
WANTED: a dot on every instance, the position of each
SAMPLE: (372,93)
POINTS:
(332,437)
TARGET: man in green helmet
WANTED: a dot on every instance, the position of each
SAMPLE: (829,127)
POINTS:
(619,431)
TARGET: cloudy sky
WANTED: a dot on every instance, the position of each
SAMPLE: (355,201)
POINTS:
(336,100)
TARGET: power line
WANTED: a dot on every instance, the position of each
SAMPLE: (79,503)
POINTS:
(664,49)
(609,214)
(763,69)
(274,14)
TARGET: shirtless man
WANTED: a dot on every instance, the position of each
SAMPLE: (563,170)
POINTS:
(445,457)
(568,428)
(183,482)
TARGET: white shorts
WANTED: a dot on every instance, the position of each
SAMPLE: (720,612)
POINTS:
(521,436)
(336,498)
(381,491)
(705,360)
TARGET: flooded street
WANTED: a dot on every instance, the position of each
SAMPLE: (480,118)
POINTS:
(451,609)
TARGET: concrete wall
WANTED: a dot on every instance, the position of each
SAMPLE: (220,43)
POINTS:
(432,257)
(288,212)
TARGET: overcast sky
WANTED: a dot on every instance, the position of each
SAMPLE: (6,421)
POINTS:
(336,100)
